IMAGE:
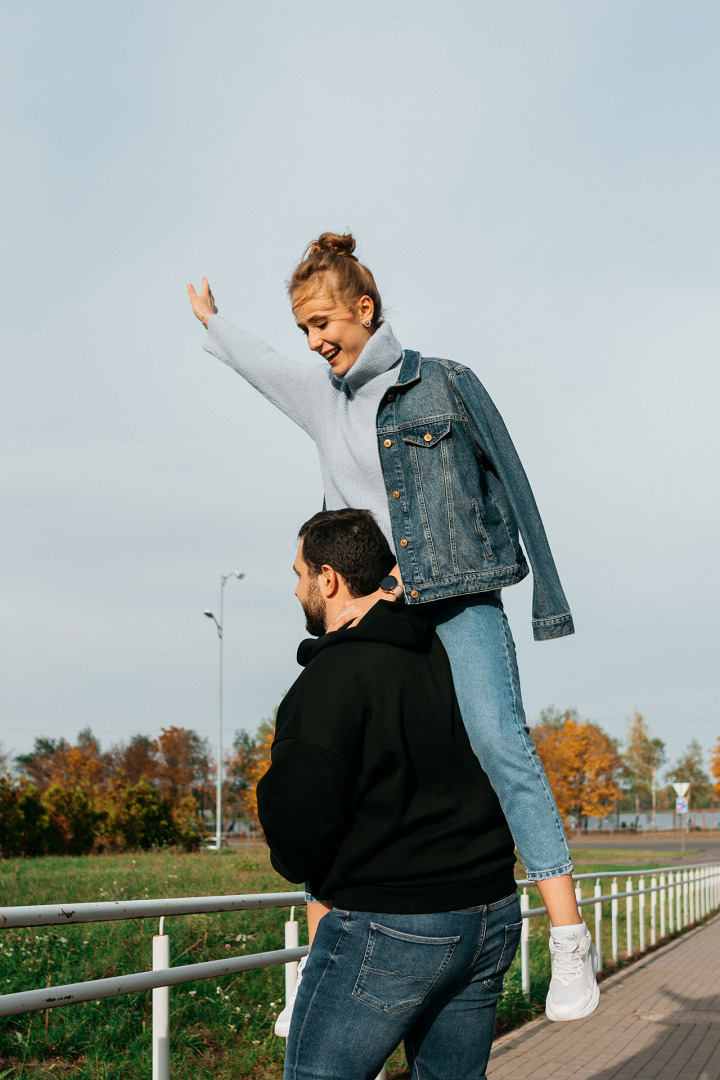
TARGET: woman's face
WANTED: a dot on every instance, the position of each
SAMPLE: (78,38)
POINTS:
(333,330)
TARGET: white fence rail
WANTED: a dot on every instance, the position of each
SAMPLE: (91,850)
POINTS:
(683,896)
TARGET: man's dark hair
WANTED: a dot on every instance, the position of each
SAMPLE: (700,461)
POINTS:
(352,543)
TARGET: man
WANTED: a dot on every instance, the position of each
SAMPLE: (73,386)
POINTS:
(375,798)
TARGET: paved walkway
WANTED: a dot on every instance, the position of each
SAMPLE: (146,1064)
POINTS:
(657,1020)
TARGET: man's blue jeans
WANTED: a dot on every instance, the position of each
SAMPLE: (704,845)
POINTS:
(481,650)
(374,979)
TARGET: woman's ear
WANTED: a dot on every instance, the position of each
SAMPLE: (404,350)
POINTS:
(366,310)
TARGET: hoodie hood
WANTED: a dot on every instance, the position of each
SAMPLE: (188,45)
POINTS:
(386,622)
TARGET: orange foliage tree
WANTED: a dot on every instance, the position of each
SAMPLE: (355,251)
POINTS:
(582,764)
(715,765)
(57,762)
(248,762)
(180,763)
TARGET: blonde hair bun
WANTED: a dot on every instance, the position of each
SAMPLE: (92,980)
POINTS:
(334,243)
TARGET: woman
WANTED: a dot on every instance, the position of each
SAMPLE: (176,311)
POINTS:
(418,441)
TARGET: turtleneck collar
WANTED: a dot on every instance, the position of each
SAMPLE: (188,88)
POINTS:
(381,352)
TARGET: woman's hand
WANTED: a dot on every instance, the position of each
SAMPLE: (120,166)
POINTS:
(203,304)
(354,610)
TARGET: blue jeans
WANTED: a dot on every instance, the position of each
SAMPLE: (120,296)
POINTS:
(479,644)
(374,979)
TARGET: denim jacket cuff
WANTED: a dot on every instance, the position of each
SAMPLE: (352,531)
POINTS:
(557,626)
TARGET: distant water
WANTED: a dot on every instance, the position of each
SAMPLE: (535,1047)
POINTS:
(664,819)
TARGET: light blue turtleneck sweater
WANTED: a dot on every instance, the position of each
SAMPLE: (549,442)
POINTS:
(338,412)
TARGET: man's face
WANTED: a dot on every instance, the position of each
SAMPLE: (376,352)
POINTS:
(308,593)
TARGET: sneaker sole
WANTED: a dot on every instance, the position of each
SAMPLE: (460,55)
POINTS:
(589,1008)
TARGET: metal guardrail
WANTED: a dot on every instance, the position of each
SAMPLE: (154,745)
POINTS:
(689,894)
(110,911)
(685,896)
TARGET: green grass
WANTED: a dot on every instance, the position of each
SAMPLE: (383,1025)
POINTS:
(220,1028)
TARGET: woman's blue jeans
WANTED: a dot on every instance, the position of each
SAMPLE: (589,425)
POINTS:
(481,650)
(374,979)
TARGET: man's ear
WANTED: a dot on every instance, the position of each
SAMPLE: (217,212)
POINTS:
(328,582)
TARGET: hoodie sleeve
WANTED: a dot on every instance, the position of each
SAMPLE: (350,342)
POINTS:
(551,614)
(304,807)
(306,798)
(285,383)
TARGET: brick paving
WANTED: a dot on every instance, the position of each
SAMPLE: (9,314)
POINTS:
(657,1020)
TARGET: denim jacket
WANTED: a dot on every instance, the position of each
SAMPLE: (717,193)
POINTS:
(458,495)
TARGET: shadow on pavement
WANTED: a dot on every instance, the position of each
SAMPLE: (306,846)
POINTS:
(675,1024)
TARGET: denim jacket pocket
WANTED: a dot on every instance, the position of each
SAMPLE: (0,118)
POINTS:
(481,530)
(399,970)
(429,448)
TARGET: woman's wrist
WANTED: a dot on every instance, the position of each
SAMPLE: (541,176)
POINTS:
(391,588)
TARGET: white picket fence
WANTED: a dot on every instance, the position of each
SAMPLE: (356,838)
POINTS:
(677,898)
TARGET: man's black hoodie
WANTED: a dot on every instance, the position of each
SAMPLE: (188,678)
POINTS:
(374,795)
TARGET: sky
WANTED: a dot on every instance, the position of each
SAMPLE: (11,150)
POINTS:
(535,189)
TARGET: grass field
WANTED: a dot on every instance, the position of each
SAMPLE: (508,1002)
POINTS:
(220,1029)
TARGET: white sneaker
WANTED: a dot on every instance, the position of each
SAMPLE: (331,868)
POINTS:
(282,1024)
(574,992)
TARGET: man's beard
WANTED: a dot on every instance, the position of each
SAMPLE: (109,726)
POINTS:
(314,608)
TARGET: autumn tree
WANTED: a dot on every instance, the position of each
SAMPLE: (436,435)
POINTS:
(136,760)
(239,772)
(38,764)
(180,756)
(642,759)
(57,762)
(688,768)
(715,766)
(249,761)
(582,764)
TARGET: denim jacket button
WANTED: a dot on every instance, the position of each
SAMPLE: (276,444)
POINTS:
(403,543)
(391,397)
(388,442)
(414,593)
(396,494)
(427,437)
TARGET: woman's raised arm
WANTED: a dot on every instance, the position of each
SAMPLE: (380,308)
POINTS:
(285,383)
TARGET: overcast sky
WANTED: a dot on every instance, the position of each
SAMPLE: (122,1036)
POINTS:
(535,186)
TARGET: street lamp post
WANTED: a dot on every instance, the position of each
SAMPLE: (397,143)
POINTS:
(219,627)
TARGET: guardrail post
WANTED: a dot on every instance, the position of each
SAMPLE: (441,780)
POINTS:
(678,901)
(686,897)
(662,905)
(291,942)
(628,917)
(691,896)
(161,1009)
(598,923)
(525,945)
(641,914)
(653,910)
(614,904)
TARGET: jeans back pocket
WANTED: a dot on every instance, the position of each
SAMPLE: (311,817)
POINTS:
(399,970)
